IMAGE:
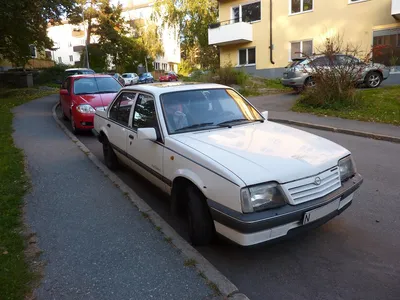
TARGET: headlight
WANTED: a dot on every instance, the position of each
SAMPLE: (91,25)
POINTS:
(347,168)
(261,197)
(85,109)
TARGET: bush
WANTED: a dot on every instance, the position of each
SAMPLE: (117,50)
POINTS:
(51,75)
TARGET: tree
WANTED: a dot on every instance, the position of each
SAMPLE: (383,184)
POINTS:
(24,23)
(87,10)
(191,19)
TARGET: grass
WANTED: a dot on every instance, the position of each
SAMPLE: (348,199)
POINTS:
(15,274)
(276,84)
(190,262)
(376,105)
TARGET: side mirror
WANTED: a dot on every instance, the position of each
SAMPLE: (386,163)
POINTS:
(147,134)
(265,114)
(64,92)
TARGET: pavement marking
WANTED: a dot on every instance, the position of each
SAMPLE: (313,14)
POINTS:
(365,134)
(203,266)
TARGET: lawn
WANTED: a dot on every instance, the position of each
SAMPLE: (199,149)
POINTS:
(15,275)
(380,105)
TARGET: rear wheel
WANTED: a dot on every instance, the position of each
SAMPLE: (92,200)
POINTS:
(201,226)
(110,158)
(373,80)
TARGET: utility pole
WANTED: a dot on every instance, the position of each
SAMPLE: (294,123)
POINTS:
(86,46)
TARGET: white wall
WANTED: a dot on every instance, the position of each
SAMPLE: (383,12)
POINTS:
(63,39)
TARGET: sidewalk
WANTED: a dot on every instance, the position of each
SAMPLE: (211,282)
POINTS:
(95,243)
(379,129)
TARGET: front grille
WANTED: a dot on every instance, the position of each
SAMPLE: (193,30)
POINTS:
(306,189)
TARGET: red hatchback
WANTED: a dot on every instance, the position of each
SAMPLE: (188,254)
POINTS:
(169,76)
(82,95)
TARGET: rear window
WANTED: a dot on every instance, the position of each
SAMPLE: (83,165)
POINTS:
(295,63)
(96,85)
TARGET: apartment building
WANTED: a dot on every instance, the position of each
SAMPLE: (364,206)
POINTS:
(69,42)
(263,36)
(142,10)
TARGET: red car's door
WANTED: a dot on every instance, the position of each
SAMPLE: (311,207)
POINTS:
(65,96)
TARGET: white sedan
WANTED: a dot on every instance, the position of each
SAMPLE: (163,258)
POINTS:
(224,164)
(130,78)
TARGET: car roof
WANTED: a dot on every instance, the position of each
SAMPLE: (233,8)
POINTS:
(79,69)
(89,75)
(159,88)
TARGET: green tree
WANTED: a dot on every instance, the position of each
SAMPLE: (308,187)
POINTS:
(87,10)
(191,19)
(24,23)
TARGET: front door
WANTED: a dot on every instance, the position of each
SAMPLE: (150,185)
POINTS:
(119,115)
(146,156)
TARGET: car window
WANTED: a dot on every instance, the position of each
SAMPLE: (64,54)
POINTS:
(96,85)
(346,60)
(145,113)
(210,107)
(121,108)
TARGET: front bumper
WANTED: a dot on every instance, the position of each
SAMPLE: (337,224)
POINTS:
(83,121)
(254,228)
(293,82)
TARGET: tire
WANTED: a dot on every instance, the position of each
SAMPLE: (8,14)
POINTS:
(373,80)
(73,125)
(309,83)
(110,158)
(200,223)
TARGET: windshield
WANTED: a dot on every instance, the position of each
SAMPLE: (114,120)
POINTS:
(96,85)
(206,109)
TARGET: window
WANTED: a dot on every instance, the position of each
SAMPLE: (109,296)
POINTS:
(71,58)
(247,12)
(60,60)
(299,6)
(121,108)
(301,49)
(247,56)
(32,50)
(67,84)
(69,44)
(145,112)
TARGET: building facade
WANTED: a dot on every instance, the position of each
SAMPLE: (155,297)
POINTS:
(143,10)
(263,36)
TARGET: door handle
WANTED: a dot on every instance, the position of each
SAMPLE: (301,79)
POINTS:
(131,136)
(108,125)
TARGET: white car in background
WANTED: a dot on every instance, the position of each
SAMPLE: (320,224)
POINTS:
(223,163)
(130,78)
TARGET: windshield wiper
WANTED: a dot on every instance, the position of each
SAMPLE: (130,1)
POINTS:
(228,123)
(195,126)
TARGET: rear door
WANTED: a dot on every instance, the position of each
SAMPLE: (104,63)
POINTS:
(119,116)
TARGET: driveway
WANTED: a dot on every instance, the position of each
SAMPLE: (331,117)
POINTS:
(355,256)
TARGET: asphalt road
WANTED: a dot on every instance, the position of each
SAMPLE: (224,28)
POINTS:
(354,256)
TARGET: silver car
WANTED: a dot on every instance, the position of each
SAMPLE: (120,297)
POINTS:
(298,74)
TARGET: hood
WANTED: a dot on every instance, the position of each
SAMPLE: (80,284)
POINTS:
(96,100)
(261,152)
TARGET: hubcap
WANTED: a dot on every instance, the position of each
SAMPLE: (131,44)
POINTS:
(374,80)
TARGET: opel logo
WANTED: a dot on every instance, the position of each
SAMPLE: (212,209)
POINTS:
(317,181)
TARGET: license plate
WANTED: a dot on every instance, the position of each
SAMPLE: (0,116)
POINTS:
(320,212)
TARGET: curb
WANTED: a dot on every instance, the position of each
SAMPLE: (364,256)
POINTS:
(203,266)
(365,134)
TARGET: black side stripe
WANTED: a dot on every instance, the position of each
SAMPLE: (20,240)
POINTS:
(142,165)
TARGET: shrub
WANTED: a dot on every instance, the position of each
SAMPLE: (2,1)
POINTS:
(51,75)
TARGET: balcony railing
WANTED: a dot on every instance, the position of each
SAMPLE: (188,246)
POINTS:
(232,31)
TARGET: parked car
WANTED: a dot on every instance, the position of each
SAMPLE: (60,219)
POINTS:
(298,74)
(146,78)
(76,71)
(82,95)
(118,77)
(130,78)
(169,76)
(233,171)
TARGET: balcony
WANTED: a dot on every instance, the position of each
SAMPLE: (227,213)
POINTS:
(230,32)
(396,9)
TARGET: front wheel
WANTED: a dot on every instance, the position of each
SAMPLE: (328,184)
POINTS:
(110,158)
(373,80)
(201,225)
